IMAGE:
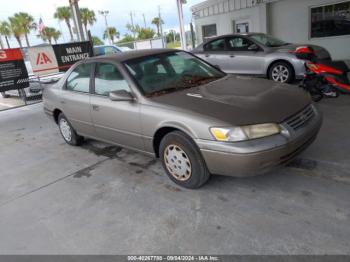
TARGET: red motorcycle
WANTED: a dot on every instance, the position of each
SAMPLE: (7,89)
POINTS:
(326,78)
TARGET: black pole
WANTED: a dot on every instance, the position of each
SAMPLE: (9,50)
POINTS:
(193,36)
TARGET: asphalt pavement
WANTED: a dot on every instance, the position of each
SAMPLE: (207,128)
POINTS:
(101,199)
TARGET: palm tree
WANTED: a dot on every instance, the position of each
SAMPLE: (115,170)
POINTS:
(17,30)
(64,13)
(56,35)
(96,41)
(27,22)
(49,34)
(112,32)
(157,22)
(87,17)
(5,31)
(46,34)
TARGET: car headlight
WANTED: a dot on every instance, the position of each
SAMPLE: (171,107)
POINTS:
(242,133)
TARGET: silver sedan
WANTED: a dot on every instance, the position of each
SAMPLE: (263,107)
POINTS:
(259,54)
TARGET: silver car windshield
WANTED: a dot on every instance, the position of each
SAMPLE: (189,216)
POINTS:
(170,72)
(267,40)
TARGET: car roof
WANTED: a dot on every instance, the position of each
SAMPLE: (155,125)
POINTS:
(106,46)
(124,56)
(237,34)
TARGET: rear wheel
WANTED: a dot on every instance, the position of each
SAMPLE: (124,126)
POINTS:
(67,131)
(182,161)
(281,72)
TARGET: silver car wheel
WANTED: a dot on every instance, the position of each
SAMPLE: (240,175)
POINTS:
(280,73)
(65,130)
(177,163)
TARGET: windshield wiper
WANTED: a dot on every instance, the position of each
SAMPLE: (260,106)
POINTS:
(181,85)
(165,91)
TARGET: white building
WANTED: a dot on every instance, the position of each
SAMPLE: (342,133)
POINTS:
(321,22)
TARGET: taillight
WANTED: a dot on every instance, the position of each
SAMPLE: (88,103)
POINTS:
(303,50)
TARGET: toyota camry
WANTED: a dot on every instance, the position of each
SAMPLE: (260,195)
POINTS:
(176,107)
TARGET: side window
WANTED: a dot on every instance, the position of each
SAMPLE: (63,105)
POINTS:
(108,79)
(79,79)
(216,45)
(239,44)
(110,50)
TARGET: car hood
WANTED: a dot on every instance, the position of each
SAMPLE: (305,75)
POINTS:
(238,100)
(320,52)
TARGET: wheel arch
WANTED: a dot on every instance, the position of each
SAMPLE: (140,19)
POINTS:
(277,61)
(162,131)
(56,113)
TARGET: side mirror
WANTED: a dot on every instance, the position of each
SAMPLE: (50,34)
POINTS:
(120,95)
(253,47)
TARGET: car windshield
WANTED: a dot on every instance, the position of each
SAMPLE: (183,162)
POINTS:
(170,72)
(268,40)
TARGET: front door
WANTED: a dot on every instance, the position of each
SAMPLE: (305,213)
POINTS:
(215,53)
(75,99)
(246,57)
(115,121)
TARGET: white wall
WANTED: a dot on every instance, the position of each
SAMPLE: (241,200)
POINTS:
(284,19)
(256,16)
(289,20)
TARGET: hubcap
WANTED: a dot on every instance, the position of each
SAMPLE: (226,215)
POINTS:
(280,73)
(65,130)
(177,163)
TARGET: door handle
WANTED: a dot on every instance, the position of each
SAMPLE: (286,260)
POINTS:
(232,56)
(207,55)
(95,108)
(62,102)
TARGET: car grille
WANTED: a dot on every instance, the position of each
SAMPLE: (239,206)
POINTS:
(302,118)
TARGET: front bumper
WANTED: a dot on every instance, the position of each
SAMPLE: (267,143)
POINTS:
(258,156)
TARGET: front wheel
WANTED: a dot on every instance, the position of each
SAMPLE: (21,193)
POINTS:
(182,160)
(281,72)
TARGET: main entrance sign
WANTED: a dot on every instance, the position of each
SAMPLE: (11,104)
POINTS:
(53,59)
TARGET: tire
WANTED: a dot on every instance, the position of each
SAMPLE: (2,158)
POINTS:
(67,131)
(281,72)
(4,95)
(183,161)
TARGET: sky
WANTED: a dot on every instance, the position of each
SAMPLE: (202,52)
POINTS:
(119,14)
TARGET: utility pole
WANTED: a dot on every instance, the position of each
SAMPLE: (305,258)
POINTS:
(144,20)
(161,26)
(160,21)
(77,19)
(181,21)
(105,13)
(132,24)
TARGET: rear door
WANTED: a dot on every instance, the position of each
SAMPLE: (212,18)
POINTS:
(75,99)
(244,59)
(115,121)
